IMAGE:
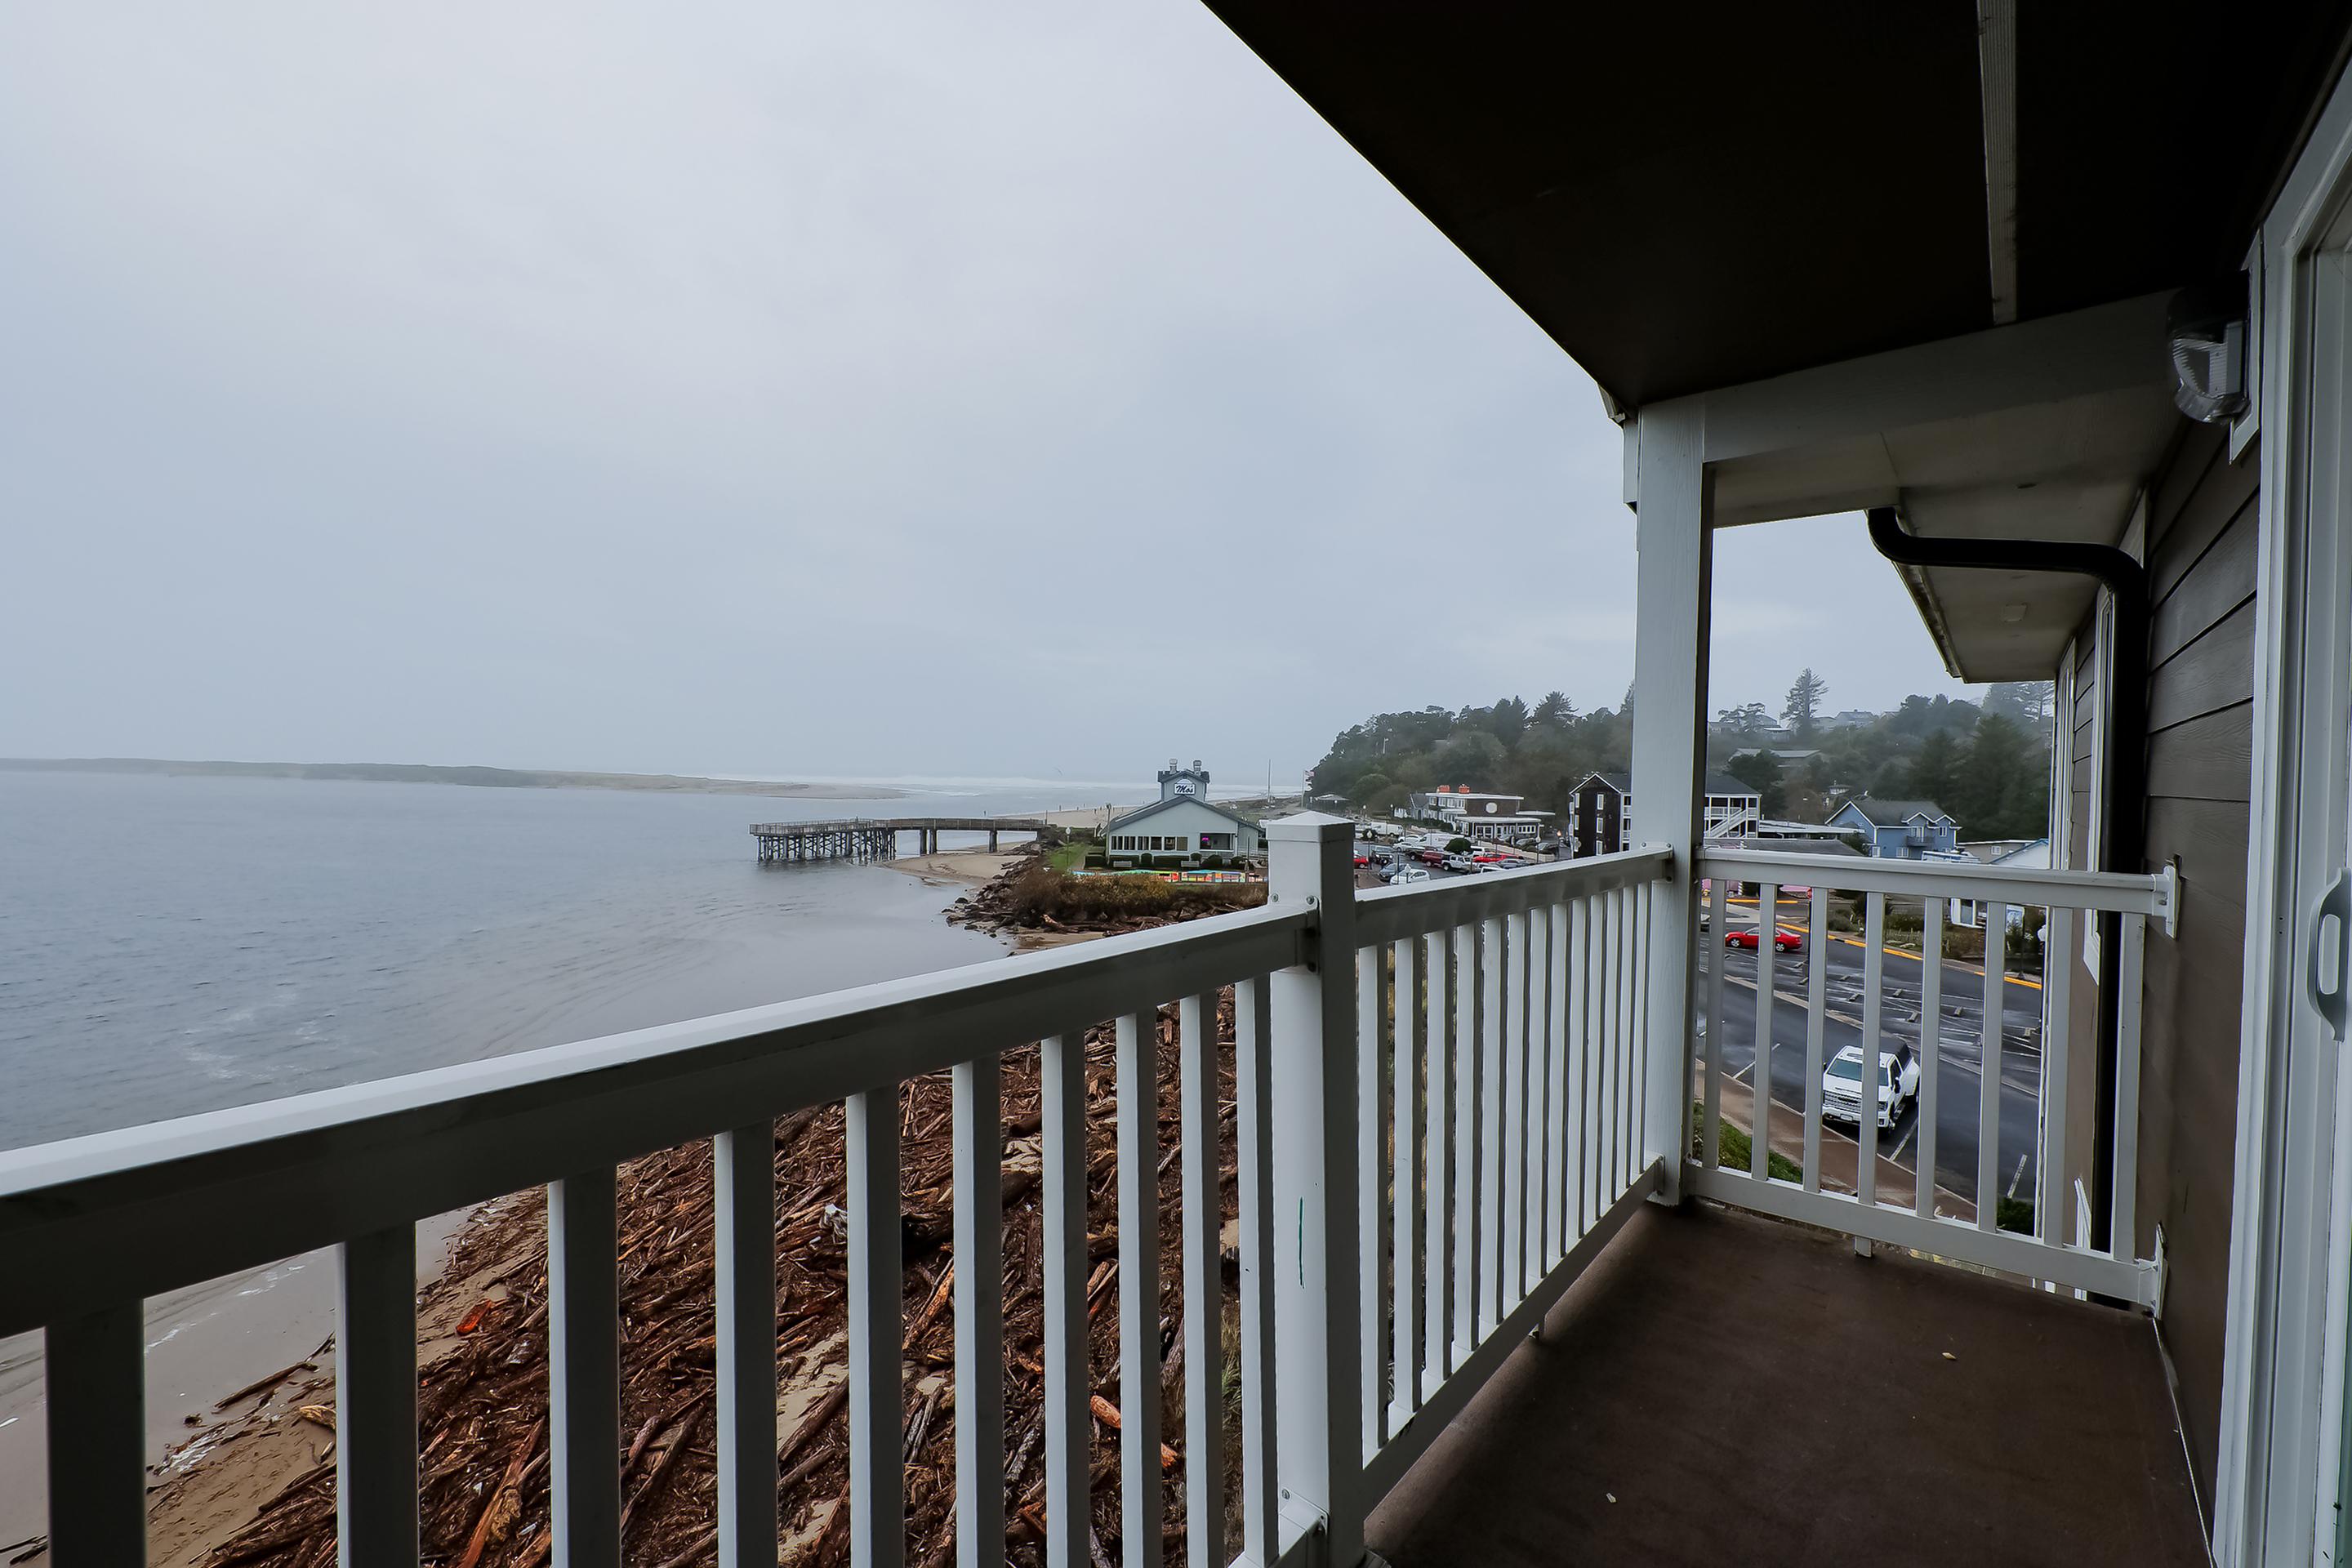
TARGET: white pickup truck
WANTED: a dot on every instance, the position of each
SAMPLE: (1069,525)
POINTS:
(1899,1085)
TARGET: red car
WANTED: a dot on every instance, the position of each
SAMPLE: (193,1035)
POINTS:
(1782,940)
(1363,861)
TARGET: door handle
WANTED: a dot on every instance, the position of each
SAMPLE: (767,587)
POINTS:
(2336,903)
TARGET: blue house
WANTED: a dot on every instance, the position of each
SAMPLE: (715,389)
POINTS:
(1900,829)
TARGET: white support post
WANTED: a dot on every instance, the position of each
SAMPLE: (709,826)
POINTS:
(1316,1277)
(375,1399)
(1672,591)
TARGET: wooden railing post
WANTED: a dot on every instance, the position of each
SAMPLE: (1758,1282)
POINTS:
(1318,1330)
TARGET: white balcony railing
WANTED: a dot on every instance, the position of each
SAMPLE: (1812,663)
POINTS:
(1394,1243)
(1949,1058)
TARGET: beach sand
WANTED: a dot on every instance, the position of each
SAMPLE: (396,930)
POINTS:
(957,868)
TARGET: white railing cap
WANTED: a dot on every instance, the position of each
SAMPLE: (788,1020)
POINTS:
(1309,827)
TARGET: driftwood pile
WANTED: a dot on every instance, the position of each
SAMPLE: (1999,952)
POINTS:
(1030,895)
(483,1407)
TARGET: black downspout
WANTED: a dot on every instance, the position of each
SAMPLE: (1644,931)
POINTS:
(2126,818)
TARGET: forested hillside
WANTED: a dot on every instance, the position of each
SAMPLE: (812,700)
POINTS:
(1988,765)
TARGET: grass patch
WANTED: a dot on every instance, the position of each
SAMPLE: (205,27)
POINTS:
(1068,857)
(1737,1149)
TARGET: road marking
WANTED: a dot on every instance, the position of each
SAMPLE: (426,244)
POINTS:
(1906,1140)
(2018,1177)
(1952,962)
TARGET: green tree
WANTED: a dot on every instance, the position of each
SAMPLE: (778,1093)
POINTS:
(1803,705)
(1760,770)
(1994,791)
(1473,760)
(1932,770)
(1554,712)
(1507,720)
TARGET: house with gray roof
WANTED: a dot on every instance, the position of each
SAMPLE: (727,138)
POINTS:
(1900,829)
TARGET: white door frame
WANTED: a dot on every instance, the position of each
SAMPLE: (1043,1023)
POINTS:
(2283,1356)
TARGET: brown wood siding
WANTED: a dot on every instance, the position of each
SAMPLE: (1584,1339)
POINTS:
(2201,558)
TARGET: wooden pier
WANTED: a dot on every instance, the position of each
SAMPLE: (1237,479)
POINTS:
(863,838)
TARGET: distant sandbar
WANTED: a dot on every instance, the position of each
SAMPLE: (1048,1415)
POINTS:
(423,773)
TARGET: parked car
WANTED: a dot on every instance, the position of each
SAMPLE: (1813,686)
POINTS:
(1433,856)
(1488,866)
(1899,1085)
(1363,861)
(1490,857)
(1403,875)
(1782,940)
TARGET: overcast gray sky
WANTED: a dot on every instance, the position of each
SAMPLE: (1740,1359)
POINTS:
(870,389)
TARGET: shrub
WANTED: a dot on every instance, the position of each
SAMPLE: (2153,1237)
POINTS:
(1459,847)
(1042,893)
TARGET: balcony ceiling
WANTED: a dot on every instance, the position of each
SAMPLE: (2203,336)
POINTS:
(1692,196)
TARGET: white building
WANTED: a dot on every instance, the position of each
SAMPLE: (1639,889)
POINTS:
(1181,822)
(1481,815)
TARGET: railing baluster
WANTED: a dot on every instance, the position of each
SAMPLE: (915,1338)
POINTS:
(1931,1041)
(1437,1166)
(95,1367)
(1609,1023)
(743,1182)
(1620,1022)
(1760,1132)
(1592,1098)
(877,1333)
(1493,1128)
(1069,1426)
(1528,1177)
(1371,1190)
(1254,1157)
(1637,972)
(1543,1137)
(584,1372)
(1204,1409)
(1511,1100)
(1578,1092)
(2050,1209)
(1556,1042)
(1469,988)
(1405,1189)
(1141,1518)
(376,1400)
(1816,1013)
(2124,1236)
(978,1142)
(1865,1088)
(1996,929)
(1711,1125)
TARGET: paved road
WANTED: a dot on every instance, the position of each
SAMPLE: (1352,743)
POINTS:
(1959,1057)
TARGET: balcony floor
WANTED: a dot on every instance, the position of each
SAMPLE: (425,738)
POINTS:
(1752,1392)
